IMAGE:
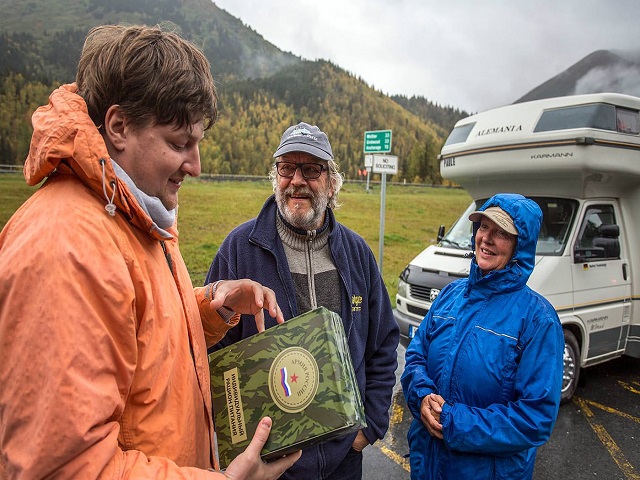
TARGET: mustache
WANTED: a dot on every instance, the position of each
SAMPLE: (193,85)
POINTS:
(291,191)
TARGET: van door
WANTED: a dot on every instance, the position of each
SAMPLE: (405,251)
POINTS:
(601,281)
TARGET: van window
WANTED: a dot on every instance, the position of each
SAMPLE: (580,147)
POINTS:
(557,217)
(627,121)
(597,115)
(598,237)
(460,134)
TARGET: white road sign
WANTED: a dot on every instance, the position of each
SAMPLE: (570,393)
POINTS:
(385,164)
(368,161)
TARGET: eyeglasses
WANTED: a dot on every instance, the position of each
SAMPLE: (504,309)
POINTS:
(310,171)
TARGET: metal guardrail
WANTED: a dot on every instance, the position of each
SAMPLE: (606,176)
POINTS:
(10,168)
(259,178)
(219,177)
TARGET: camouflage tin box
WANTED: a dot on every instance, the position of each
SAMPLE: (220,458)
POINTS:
(298,373)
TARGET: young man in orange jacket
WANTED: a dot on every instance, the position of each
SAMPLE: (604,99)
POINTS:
(103,339)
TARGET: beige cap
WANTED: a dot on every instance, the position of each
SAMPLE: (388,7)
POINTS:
(499,216)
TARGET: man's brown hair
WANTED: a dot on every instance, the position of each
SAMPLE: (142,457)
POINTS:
(155,76)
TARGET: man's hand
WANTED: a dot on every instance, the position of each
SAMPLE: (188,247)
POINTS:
(360,442)
(430,411)
(249,466)
(247,297)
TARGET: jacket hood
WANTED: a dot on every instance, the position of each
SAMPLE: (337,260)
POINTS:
(66,140)
(64,133)
(527,217)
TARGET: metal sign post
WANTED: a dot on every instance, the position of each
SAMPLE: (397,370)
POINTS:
(383,164)
(376,142)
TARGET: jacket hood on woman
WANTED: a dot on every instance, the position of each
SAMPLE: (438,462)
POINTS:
(527,218)
(493,349)
(103,363)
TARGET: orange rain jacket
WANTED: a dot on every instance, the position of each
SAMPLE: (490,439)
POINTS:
(103,357)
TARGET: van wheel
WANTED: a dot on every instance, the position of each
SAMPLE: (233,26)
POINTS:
(571,372)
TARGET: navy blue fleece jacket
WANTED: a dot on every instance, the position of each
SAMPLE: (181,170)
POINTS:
(254,250)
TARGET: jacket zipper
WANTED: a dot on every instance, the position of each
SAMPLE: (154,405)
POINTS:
(167,256)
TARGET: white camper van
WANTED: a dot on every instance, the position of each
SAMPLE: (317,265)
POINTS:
(578,157)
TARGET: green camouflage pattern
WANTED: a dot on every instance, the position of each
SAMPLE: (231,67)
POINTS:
(335,410)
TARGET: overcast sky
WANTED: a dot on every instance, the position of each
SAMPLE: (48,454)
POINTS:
(469,54)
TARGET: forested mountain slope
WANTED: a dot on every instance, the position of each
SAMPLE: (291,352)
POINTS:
(262,89)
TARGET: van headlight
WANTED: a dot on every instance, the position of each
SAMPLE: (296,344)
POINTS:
(403,288)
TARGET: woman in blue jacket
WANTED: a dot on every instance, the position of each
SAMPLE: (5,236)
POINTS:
(483,374)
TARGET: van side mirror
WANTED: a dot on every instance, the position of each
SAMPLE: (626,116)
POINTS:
(440,233)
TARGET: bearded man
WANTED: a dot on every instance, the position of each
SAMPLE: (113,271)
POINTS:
(297,248)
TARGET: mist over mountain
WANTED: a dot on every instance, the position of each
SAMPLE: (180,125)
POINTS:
(43,38)
(601,71)
(262,89)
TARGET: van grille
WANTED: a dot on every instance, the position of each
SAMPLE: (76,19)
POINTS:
(420,292)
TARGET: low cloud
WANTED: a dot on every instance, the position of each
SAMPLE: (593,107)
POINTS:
(616,79)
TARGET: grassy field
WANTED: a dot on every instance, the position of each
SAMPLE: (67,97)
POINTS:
(210,210)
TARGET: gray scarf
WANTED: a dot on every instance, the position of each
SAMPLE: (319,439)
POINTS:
(161,217)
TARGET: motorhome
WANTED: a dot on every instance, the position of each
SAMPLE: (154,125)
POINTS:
(578,157)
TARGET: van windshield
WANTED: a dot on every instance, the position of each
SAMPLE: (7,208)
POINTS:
(460,234)
(558,215)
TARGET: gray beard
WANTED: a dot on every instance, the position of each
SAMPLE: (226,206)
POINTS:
(312,219)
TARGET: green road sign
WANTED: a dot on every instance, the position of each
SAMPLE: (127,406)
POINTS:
(377,141)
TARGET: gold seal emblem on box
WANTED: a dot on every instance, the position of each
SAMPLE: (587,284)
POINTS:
(293,379)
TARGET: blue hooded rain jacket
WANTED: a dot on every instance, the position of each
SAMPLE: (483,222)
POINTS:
(493,349)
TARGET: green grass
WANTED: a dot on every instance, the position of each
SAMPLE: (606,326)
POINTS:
(210,210)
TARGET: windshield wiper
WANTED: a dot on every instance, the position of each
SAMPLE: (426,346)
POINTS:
(455,244)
